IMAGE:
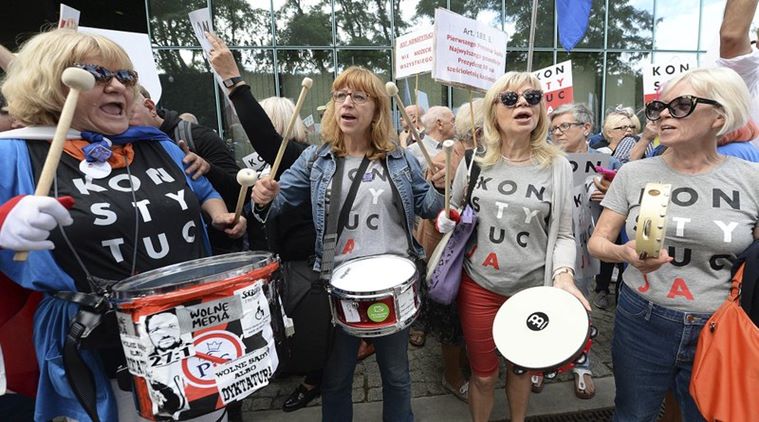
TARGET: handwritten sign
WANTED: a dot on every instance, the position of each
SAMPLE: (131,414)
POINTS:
(556,83)
(656,74)
(467,52)
(239,378)
(414,53)
(201,22)
(68,17)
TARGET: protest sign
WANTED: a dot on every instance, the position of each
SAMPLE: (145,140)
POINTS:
(556,82)
(656,74)
(68,17)
(582,165)
(413,53)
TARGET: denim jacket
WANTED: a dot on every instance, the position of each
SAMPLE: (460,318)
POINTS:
(312,175)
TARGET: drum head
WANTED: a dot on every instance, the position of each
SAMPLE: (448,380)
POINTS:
(190,273)
(373,273)
(540,328)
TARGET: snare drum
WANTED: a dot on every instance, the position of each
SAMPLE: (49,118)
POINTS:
(375,295)
(197,335)
(543,330)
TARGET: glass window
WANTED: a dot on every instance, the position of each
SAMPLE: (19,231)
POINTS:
(412,14)
(315,64)
(245,26)
(437,94)
(306,22)
(517,60)
(362,23)
(630,24)
(586,81)
(169,23)
(624,82)
(517,23)
(676,24)
(187,85)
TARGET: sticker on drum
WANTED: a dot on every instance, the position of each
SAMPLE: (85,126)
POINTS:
(541,328)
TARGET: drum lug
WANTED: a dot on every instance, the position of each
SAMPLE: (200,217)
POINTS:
(582,359)
(518,370)
(593,331)
(550,375)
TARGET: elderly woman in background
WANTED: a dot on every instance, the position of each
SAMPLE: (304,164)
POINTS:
(619,129)
(666,299)
(100,238)
(501,265)
(358,133)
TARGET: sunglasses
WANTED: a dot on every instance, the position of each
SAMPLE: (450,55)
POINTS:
(510,98)
(679,108)
(125,76)
(358,97)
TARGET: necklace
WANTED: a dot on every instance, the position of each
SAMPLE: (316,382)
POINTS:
(529,157)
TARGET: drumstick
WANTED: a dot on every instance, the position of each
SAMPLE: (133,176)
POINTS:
(77,80)
(448,148)
(246,178)
(305,87)
(392,91)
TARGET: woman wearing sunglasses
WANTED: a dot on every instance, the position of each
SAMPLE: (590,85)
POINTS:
(712,217)
(359,139)
(524,233)
(120,205)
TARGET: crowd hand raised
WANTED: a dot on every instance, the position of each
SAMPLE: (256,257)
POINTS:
(565,281)
(264,191)
(221,58)
(647,265)
(196,165)
(223,222)
(446,222)
(29,220)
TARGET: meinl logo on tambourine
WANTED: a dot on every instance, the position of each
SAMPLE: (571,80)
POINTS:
(537,321)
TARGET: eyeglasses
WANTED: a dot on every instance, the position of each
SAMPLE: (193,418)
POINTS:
(565,126)
(510,98)
(125,76)
(358,97)
(625,127)
(679,108)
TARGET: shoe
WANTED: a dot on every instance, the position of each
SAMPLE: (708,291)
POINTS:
(461,393)
(300,398)
(417,337)
(365,349)
(584,387)
(601,300)
(537,383)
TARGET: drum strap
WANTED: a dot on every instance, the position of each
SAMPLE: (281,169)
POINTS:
(335,224)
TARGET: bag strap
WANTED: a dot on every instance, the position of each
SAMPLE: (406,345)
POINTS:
(183,131)
(335,223)
(473,174)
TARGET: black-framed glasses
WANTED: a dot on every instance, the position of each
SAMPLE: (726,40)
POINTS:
(624,127)
(679,108)
(126,76)
(565,126)
(358,97)
(510,98)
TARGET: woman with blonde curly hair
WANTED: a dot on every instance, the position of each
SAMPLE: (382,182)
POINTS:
(524,234)
(359,138)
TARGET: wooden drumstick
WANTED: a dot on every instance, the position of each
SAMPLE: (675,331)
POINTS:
(77,80)
(305,87)
(392,91)
(448,149)
(246,178)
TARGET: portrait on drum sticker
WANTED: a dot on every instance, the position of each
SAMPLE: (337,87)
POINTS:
(168,343)
(167,390)
(255,309)
(238,379)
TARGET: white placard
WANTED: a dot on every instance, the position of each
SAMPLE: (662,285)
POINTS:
(239,378)
(556,82)
(68,17)
(656,74)
(414,53)
(349,311)
(422,100)
(255,309)
(582,165)
(309,121)
(467,53)
(138,47)
(201,22)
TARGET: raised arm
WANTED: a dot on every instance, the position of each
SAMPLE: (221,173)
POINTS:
(734,38)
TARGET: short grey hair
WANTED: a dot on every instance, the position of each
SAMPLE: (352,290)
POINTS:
(433,115)
(580,112)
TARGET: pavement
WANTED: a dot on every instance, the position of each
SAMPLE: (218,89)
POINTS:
(431,402)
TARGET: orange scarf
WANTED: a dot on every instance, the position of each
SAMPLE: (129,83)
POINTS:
(74,147)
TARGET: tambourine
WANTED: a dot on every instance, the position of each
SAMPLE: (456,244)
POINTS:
(652,220)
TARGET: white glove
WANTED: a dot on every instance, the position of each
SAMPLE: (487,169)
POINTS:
(444,224)
(29,222)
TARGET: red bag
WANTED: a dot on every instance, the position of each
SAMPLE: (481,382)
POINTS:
(17,307)
(725,379)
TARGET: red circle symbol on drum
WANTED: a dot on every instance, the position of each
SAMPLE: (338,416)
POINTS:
(211,348)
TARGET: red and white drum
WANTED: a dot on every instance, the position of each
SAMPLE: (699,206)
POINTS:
(375,295)
(198,335)
(543,329)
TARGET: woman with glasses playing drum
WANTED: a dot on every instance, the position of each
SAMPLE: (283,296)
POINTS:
(712,217)
(358,133)
(524,234)
(130,206)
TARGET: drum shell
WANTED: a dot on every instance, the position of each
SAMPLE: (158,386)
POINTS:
(216,309)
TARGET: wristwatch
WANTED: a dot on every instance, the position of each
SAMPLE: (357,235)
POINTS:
(229,83)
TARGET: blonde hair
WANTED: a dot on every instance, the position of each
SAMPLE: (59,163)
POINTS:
(614,119)
(542,151)
(464,121)
(33,84)
(382,135)
(724,86)
(280,110)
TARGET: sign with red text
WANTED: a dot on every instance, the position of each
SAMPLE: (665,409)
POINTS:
(413,53)
(656,74)
(68,17)
(468,53)
(556,82)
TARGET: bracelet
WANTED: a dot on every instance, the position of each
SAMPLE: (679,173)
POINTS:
(560,270)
